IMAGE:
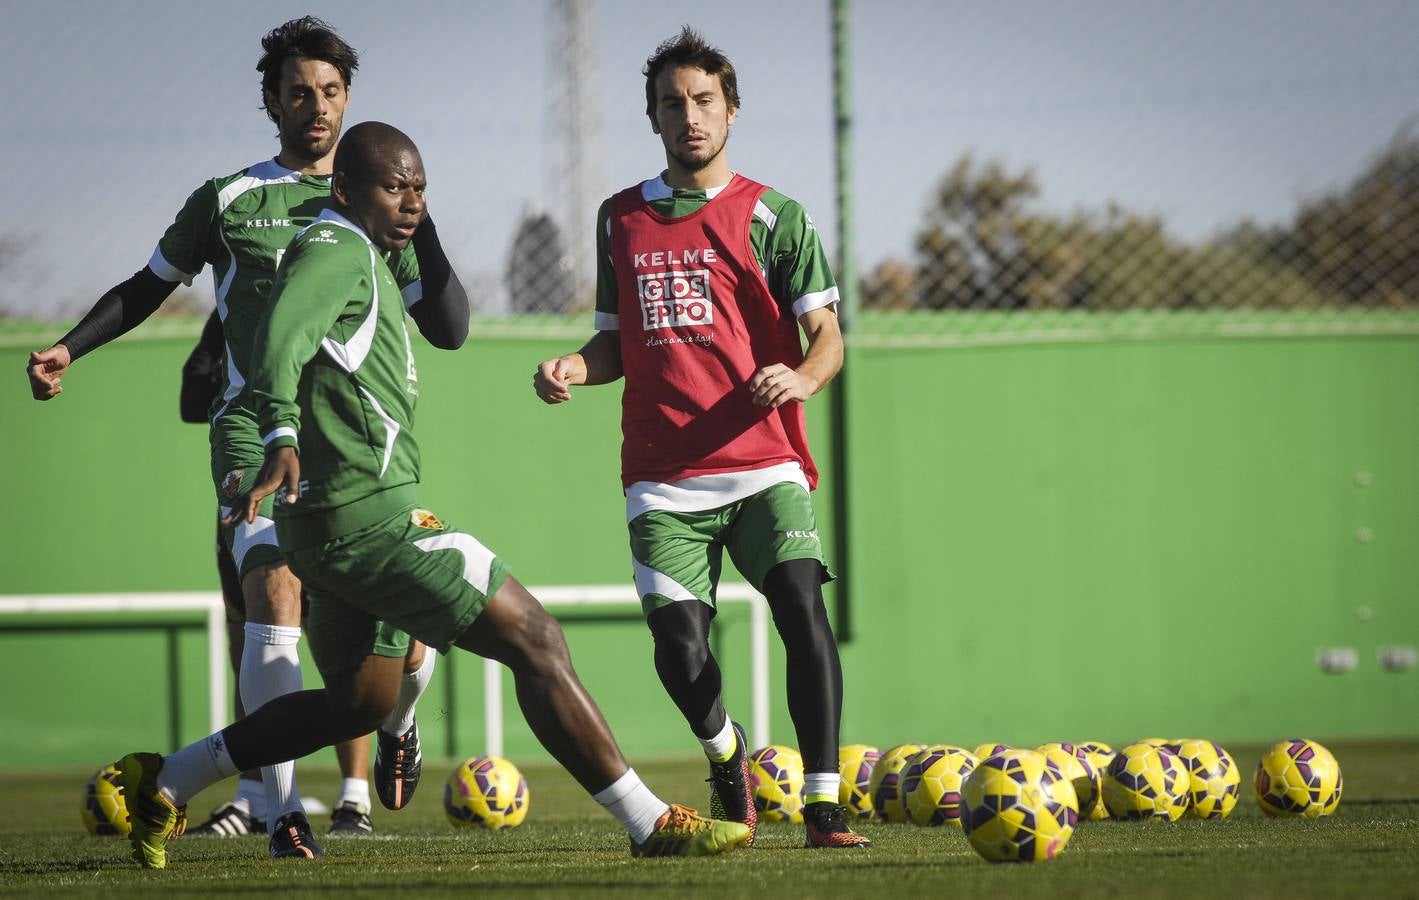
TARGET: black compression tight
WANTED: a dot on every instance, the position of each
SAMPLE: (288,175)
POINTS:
(685,665)
(794,590)
(692,677)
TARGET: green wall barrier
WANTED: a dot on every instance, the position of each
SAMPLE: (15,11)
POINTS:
(1056,541)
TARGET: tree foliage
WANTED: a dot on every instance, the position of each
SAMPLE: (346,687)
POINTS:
(985,245)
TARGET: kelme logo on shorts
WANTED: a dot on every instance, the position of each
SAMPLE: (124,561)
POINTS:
(232,483)
(810,535)
(425,519)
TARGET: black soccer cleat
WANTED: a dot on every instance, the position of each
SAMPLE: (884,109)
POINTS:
(347,818)
(396,767)
(292,838)
(228,820)
(731,797)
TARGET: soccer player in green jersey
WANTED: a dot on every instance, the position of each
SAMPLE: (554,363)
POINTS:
(240,225)
(334,382)
(704,280)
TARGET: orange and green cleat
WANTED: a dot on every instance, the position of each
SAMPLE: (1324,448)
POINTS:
(154,820)
(683,832)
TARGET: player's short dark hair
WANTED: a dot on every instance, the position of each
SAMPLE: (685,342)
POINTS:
(303,38)
(689,48)
(367,147)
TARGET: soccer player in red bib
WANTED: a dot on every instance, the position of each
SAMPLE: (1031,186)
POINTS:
(704,279)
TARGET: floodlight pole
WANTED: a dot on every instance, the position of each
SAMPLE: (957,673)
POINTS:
(847,313)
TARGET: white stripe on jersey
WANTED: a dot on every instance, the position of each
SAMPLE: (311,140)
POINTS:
(351,355)
(283,431)
(412,293)
(166,270)
(391,430)
(816,300)
(765,215)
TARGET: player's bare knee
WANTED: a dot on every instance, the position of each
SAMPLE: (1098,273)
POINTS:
(273,595)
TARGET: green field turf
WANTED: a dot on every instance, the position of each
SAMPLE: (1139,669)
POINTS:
(1370,848)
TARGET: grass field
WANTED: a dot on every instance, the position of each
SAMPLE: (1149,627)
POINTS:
(1370,848)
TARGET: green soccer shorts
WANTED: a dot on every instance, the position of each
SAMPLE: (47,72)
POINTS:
(678,555)
(373,588)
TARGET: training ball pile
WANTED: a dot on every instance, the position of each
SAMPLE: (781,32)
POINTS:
(486,792)
(1298,777)
(103,810)
(776,780)
(1018,807)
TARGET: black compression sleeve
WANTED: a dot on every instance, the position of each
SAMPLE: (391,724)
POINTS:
(118,312)
(442,314)
(202,373)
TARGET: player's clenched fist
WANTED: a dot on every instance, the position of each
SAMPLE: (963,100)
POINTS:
(553,379)
(45,369)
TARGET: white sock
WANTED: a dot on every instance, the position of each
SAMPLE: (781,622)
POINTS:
(411,687)
(821,784)
(356,791)
(633,805)
(271,668)
(721,746)
(195,767)
(251,796)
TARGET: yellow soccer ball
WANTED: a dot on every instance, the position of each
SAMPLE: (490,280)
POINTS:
(888,803)
(989,749)
(931,782)
(776,780)
(855,765)
(1298,777)
(1074,765)
(103,810)
(1214,781)
(1099,755)
(1018,807)
(486,792)
(1146,782)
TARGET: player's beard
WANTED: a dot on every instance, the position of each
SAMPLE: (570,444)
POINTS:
(296,142)
(692,163)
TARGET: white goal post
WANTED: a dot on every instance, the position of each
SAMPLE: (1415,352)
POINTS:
(554,598)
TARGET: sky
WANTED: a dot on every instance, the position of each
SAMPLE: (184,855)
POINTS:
(1201,112)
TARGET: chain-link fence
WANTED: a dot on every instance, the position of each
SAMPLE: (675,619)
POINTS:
(1021,170)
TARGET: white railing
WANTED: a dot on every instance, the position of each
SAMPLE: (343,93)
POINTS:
(565,597)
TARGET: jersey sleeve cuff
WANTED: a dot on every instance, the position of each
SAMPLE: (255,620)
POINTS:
(607,321)
(816,300)
(166,270)
(284,436)
(412,293)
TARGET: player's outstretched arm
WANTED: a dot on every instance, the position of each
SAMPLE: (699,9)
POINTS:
(117,312)
(442,314)
(775,385)
(597,362)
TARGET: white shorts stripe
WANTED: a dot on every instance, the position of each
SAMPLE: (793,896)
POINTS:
(477,559)
(248,535)
(649,581)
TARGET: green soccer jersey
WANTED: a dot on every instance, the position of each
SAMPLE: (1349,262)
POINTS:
(240,225)
(786,247)
(332,369)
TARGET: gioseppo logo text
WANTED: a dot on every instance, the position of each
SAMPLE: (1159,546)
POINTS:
(670,299)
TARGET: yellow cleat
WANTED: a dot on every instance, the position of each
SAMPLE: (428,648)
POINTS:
(683,832)
(154,820)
